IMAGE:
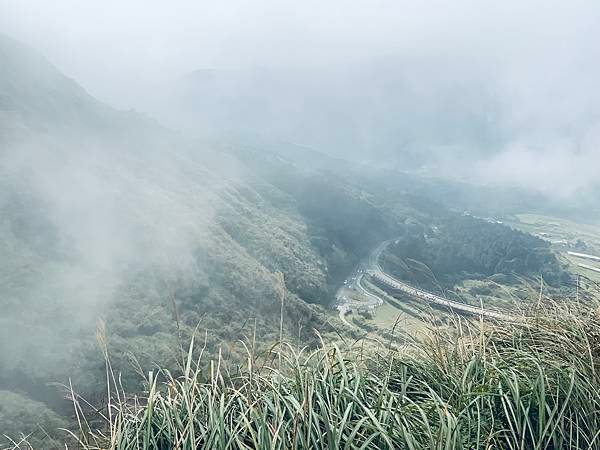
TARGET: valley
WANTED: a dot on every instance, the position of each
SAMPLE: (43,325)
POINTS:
(122,241)
(354,297)
(371,297)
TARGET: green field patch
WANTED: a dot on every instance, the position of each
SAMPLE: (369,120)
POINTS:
(566,236)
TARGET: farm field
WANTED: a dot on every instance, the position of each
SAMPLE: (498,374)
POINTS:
(567,237)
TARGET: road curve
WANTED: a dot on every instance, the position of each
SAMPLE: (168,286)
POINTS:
(428,297)
(372,267)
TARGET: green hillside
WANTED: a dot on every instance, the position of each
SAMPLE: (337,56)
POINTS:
(116,229)
(106,215)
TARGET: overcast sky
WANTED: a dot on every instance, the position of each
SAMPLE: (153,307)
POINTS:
(105,44)
(542,57)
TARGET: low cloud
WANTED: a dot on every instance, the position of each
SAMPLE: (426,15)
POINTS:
(507,90)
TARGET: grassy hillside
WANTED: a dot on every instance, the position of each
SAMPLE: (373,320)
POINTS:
(104,214)
(529,385)
(109,221)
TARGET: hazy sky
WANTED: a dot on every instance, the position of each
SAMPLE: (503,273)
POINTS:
(107,44)
(540,58)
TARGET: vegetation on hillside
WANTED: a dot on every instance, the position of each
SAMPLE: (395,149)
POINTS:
(105,214)
(527,385)
(461,247)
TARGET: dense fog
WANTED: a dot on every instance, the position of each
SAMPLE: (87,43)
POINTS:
(469,90)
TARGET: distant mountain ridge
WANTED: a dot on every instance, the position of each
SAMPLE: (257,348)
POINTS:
(358,112)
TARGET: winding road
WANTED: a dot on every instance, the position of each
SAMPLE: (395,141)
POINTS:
(347,302)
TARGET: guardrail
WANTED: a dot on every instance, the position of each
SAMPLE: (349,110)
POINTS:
(394,283)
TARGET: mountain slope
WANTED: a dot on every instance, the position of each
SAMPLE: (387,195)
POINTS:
(105,214)
(113,227)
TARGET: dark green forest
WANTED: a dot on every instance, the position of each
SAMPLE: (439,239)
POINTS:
(462,247)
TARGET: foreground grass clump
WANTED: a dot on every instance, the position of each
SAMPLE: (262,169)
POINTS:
(530,385)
